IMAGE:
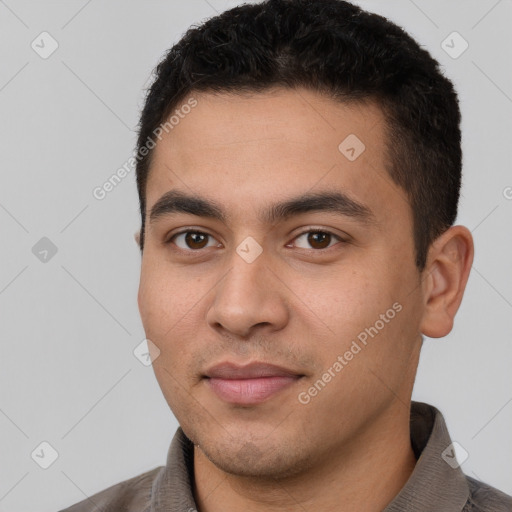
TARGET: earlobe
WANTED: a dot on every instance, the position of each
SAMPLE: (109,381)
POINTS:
(137,238)
(447,271)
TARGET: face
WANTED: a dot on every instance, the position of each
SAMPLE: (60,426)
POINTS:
(325,289)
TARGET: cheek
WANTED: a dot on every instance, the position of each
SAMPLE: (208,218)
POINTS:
(172,380)
(171,309)
(343,301)
(167,316)
(159,294)
(154,302)
(360,316)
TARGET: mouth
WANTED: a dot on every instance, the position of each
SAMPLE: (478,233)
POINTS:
(250,384)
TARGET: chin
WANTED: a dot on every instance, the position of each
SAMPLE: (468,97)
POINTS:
(262,459)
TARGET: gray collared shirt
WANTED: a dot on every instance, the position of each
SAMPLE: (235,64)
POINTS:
(437,483)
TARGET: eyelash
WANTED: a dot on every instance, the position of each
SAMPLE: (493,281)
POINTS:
(322,231)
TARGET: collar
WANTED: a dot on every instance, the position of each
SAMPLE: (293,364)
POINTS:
(433,485)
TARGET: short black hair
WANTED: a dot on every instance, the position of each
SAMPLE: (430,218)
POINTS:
(337,49)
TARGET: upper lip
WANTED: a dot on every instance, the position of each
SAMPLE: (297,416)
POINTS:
(254,370)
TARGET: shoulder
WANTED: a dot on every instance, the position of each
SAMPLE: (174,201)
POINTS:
(131,495)
(484,498)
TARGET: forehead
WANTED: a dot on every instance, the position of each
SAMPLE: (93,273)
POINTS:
(245,148)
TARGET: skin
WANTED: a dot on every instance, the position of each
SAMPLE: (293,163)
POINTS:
(298,305)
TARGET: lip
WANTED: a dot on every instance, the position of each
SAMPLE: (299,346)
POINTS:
(250,384)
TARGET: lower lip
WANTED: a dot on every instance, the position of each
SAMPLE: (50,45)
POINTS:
(249,391)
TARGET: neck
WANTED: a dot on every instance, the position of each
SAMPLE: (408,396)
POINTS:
(370,469)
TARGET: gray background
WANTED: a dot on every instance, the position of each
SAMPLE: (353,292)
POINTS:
(68,375)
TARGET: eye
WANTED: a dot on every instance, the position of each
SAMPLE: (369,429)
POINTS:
(317,239)
(191,240)
(195,240)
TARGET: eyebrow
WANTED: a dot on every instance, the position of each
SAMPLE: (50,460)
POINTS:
(175,202)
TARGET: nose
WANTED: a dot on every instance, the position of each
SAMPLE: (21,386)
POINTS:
(249,298)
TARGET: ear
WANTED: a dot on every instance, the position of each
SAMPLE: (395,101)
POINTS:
(445,276)
(137,238)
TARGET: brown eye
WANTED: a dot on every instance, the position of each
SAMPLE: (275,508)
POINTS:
(194,240)
(317,239)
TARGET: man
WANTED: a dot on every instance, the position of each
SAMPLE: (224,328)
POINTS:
(299,168)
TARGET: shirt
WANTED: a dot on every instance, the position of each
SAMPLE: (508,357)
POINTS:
(437,483)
